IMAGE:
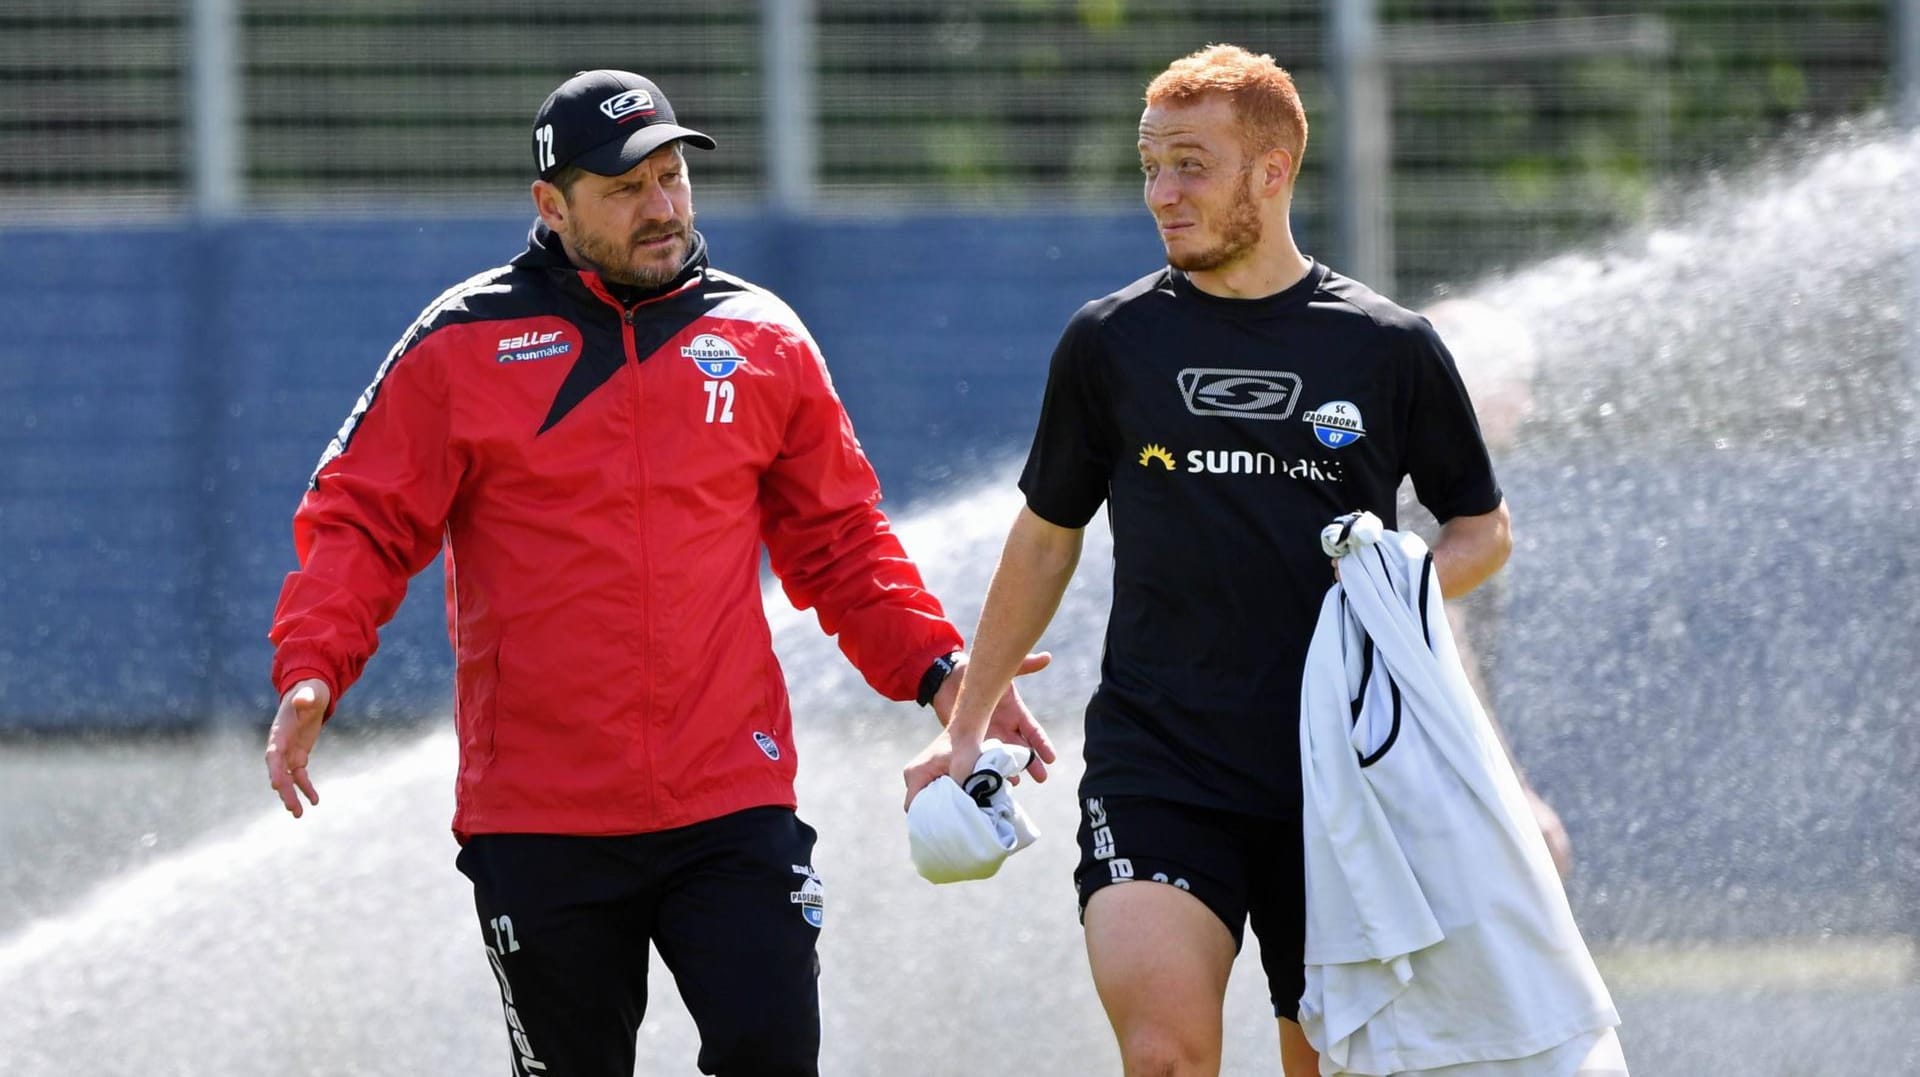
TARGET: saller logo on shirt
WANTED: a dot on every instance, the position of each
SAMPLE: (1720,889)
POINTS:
(1239,394)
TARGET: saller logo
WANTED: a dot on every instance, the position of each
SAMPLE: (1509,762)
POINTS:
(530,346)
(624,105)
(1239,394)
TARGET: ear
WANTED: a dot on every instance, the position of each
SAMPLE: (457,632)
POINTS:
(1273,173)
(551,204)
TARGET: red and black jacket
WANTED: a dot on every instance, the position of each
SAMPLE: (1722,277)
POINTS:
(602,472)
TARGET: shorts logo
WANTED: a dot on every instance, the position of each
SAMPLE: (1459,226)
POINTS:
(767,744)
(621,106)
(1102,832)
(1156,452)
(811,897)
(1337,424)
(715,357)
(1239,394)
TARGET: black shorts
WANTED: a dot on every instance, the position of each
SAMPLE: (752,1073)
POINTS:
(732,904)
(1240,866)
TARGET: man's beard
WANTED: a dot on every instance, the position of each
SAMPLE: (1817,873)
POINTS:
(1242,228)
(615,263)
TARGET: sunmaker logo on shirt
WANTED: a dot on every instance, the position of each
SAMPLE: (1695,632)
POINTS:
(1240,462)
(1156,454)
(1239,394)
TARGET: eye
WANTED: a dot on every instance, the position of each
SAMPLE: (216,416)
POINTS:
(1150,168)
(1192,166)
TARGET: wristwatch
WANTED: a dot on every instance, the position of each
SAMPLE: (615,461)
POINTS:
(935,676)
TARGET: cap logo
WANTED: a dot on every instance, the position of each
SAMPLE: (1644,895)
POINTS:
(620,106)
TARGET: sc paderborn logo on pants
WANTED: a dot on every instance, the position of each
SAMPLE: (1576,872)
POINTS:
(811,897)
(1337,424)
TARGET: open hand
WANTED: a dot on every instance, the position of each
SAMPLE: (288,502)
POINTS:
(296,726)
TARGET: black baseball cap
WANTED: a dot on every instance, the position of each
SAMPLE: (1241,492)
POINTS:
(605,122)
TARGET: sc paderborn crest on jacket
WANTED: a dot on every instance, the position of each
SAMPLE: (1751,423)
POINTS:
(714,355)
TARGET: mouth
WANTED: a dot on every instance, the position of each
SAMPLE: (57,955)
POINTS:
(656,244)
(1171,229)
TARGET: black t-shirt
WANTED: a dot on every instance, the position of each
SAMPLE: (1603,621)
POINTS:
(1223,434)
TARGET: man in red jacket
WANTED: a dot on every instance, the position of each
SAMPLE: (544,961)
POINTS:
(602,434)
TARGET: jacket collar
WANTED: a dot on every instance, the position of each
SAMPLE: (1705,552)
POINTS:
(545,251)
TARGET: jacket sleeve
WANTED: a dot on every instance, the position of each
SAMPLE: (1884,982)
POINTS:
(834,550)
(371,519)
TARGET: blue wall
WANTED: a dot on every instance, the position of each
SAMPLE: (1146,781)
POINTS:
(167,390)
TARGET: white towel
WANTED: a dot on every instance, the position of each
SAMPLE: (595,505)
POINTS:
(958,834)
(1439,940)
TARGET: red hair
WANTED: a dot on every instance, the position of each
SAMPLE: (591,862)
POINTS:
(1260,91)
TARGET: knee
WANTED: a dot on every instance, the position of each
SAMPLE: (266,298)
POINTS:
(1162,1051)
(762,1052)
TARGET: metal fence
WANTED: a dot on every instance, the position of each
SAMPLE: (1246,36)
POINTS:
(1504,128)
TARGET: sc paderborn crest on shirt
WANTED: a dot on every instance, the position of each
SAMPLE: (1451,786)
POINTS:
(1336,424)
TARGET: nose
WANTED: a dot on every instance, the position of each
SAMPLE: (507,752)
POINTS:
(1163,189)
(655,205)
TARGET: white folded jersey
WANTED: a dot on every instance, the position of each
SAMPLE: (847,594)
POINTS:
(1439,939)
(956,834)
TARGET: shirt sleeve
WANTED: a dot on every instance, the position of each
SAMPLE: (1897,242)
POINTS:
(371,520)
(1445,454)
(1070,465)
(833,549)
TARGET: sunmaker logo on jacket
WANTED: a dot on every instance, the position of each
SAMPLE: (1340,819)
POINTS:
(1239,394)
(715,357)
(534,345)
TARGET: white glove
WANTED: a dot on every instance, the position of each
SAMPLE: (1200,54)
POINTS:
(957,834)
(1354,531)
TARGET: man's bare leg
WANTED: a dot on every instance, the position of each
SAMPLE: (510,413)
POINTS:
(1160,963)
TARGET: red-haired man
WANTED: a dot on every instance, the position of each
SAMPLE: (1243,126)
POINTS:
(1223,408)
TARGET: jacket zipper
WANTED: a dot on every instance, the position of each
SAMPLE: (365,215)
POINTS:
(646,565)
(627,315)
